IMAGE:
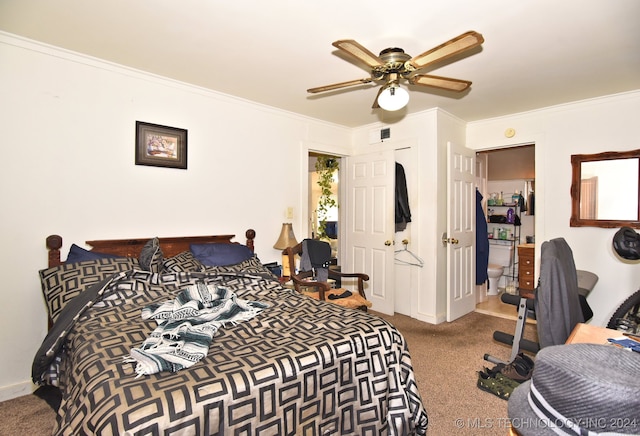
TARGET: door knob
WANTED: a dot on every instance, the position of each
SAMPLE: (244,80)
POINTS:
(446,240)
(387,243)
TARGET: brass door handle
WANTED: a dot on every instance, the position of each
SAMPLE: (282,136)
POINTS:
(446,240)
(387,243)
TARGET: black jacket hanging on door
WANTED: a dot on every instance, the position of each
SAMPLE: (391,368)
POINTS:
(482,242)
(403,213)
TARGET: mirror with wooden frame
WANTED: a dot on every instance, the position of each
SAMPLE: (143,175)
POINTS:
(605,188)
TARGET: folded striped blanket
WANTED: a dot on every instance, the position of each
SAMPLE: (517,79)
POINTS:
(186,326)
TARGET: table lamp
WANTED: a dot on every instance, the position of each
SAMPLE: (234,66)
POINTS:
(287,239)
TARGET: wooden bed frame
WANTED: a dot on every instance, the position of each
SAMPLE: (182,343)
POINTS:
(132,247)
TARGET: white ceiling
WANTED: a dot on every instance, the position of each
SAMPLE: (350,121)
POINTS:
(536,53)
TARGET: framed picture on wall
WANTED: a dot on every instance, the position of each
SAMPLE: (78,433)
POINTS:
(161,146)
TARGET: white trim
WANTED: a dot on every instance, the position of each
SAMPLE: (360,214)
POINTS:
(14,391)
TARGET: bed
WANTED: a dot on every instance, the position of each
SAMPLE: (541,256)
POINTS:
(296,366)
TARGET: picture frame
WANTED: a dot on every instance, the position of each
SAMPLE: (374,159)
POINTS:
(161,146)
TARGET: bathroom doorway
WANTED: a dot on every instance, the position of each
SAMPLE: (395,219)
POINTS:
(324,215)
(504,173)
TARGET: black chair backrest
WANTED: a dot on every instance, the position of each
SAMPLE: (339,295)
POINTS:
(557,302)
(319,252)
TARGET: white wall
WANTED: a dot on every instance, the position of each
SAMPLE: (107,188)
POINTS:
(593,126)
(68,130)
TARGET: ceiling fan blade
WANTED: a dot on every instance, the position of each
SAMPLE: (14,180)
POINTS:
(339,85)
(450,48)
(358,51)
(440,82)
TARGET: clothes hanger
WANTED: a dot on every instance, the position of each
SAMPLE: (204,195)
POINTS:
(416,261)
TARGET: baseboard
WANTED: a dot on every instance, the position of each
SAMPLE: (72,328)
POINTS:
(15,391)
(431,319)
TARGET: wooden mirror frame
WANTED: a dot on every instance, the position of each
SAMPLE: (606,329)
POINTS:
(576,165)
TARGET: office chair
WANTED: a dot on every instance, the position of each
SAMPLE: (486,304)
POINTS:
(558,305)
(314,272)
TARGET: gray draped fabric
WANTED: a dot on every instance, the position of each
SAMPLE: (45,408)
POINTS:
(557,302)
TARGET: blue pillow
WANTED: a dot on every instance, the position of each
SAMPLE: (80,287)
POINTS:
(79,254)
(221,254)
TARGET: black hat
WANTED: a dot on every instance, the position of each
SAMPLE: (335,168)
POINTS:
(579,389)
(626,242)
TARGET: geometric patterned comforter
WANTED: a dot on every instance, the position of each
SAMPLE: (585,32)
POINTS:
(301,367)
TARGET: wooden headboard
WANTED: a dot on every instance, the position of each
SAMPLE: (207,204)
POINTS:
(132,247)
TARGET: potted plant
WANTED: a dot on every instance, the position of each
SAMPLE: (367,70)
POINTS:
(326,167)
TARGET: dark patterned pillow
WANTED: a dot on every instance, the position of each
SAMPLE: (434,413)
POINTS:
(61,283)
(151,256)
(251,265)
(184,261)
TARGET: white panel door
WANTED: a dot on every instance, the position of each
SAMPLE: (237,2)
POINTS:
(369,230)
(461,259)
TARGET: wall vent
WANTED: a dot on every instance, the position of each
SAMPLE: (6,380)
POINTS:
(379,135)
(385,133)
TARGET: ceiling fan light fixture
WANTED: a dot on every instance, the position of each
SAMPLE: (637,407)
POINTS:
(393,98)
(393,65)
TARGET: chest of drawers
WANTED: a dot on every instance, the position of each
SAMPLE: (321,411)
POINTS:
(526,269)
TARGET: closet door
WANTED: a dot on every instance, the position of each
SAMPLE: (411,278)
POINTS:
(370,186)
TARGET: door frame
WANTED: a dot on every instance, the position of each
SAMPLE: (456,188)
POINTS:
(536,140)
(306,148)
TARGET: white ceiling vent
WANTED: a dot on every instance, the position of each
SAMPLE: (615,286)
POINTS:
(385,134)
(379,135)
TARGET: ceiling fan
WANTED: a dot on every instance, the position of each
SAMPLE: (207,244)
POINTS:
(394,64)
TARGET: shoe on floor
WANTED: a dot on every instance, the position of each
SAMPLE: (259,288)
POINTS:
(495,386)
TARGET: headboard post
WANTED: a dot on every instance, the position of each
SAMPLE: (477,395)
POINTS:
(250,234)
(54,243)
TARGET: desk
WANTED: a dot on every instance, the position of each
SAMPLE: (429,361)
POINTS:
(590,334)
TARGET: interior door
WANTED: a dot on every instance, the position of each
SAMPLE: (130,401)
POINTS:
(460,237)
(370,187)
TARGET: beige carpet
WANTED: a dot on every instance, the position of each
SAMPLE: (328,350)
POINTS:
(446,358)
(28,415)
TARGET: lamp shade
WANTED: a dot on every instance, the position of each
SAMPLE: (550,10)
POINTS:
(393,98)
(287,238)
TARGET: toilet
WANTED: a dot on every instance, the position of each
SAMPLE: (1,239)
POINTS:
(499,257)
